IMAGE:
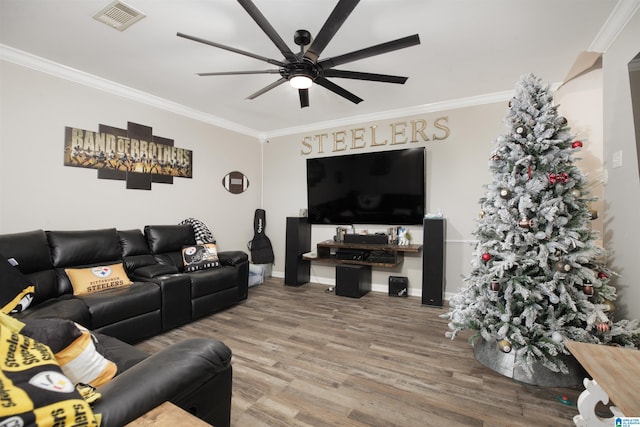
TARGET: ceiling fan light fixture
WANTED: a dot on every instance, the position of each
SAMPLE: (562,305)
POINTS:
(301,82)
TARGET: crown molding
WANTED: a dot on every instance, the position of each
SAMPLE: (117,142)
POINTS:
(471,101)
(619,17)
(37,63)
(391,114)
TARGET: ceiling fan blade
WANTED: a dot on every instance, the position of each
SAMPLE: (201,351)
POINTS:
(337,90)
(267,88)
(231,49)
(233,73)
(371,51)
(262,22)
(304,97)
(385,78)
(331,26)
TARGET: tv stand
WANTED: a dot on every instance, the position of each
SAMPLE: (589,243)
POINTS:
(376,255)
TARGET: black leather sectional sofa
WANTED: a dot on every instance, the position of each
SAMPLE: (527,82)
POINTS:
(195,374)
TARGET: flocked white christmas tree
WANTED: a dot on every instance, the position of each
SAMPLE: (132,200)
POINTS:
(538,276)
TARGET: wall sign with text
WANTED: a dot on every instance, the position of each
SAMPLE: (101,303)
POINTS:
(398,133)
(133,155)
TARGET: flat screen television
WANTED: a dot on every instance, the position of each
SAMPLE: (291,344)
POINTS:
(384,187)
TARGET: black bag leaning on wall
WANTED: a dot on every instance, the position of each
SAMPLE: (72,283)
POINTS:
(260,246)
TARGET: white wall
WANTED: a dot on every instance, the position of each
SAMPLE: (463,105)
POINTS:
(37,191)
(622,192)
(457,170)
(580,101)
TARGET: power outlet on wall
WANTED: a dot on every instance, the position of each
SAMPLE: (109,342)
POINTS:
(616,160)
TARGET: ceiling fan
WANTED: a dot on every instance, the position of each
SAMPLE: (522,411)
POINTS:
(303,69)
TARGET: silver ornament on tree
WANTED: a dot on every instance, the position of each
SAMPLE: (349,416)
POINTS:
(540,235)
(587,288)
(525,222)
(521,131)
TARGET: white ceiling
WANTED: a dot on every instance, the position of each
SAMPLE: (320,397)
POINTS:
(469,48)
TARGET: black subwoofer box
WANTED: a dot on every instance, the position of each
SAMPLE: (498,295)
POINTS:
(353,280)
(398,286)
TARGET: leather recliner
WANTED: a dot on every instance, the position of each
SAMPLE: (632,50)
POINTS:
(212,289)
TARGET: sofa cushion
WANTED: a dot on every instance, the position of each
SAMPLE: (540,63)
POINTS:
(200,257)
(30,249)
(205,282)
(97,279)
(135,252)
(16,290)
(31,252)
(75,349)
(64,307)
(168,238)
(84,248)
(132,242)
(114,305)
(35,391)
(122,354)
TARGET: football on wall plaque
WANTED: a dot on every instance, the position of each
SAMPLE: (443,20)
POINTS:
(235,182)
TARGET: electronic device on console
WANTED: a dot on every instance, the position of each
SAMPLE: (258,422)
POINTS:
(351,254)
(382,257)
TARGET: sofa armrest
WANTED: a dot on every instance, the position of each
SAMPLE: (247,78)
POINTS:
(155,270)
(234,258)
(240,260)
(169,375)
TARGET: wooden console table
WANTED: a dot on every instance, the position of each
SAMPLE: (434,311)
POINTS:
(616,376)
(326,252)
(167,415)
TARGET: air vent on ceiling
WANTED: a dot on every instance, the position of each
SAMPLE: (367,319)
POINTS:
(119,15)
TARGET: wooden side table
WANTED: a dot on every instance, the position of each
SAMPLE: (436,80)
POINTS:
(167,415)
(616,375)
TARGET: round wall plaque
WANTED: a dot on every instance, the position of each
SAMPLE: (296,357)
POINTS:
(235,182)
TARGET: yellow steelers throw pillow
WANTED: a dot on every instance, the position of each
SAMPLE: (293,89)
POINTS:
(95,279)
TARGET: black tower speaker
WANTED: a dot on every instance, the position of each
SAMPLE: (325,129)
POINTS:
(296,270)
(433,261)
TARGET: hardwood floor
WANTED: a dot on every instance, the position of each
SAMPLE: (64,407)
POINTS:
(305,357)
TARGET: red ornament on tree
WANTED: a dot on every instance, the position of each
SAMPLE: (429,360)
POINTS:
(576,144)
(486,257)
(561,177)
(602,275)
(603,327)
